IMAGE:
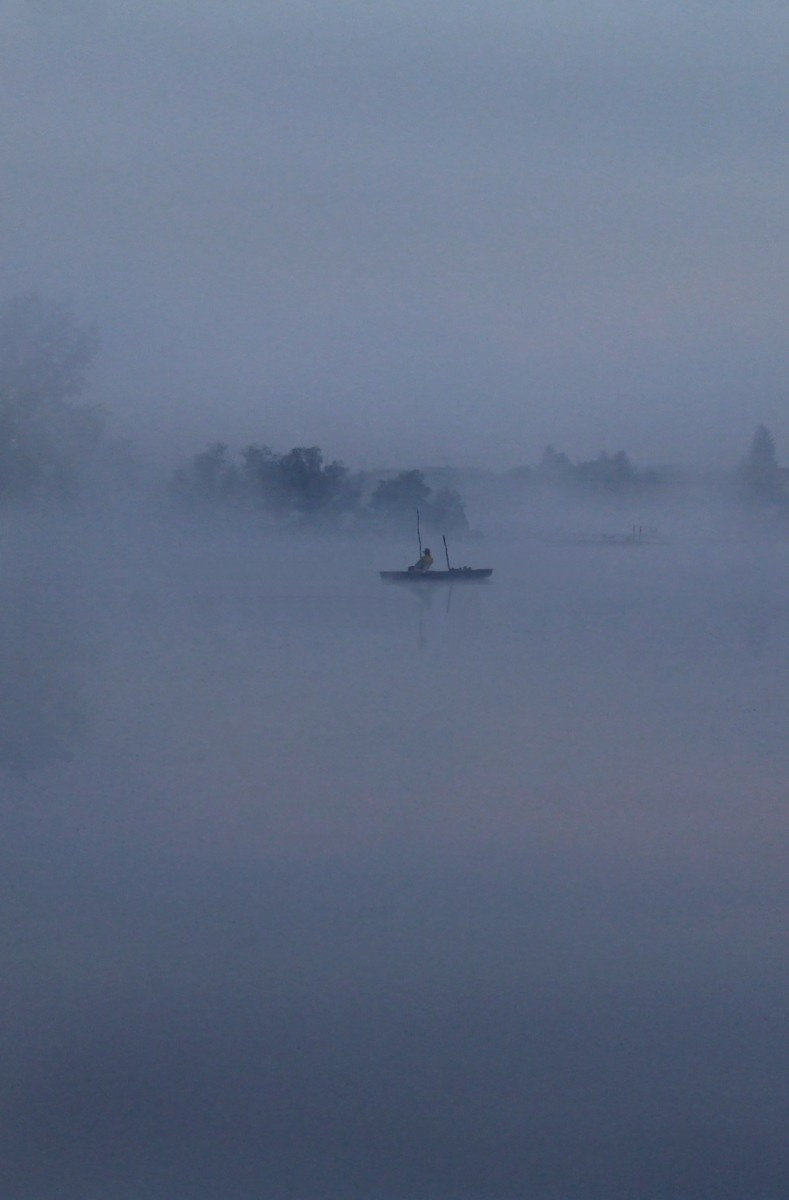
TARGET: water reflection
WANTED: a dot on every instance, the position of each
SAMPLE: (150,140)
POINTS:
(324,911)
(43,716)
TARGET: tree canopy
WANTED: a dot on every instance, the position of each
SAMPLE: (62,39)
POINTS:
(299,488)
(296,487)
(608,475)
(45,429)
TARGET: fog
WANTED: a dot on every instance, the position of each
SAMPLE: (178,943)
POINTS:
(318,887)
(461,230)
(321,887)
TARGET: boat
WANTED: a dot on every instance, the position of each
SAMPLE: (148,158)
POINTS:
(453,575)
(420,575)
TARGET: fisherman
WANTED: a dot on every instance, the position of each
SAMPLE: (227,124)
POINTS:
(424,562)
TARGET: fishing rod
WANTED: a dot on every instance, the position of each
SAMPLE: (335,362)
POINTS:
(443,536)
(418,533)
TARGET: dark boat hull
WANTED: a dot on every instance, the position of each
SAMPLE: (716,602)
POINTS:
(455,575)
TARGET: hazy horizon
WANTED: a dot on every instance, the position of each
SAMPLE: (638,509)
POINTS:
(319,887)
(410,232)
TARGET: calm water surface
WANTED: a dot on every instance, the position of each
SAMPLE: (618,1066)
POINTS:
(318,887)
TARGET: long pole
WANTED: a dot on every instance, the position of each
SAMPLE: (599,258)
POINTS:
(418,533)
(446,551)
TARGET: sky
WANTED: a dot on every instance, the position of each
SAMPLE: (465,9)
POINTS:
(410,233)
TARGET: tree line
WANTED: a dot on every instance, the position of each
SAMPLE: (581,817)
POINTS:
(47,433)
(51,439)
(300,488)
(607,474)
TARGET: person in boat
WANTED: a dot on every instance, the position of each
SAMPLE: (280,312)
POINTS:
(424,563)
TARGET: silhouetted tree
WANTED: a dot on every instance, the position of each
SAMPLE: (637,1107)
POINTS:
(294,486)
(446,512)
(301,488)
(210,476)
(394,502)
(397,498)
(760,474)
(45,432)
(608,474)
(611,473)
(314,489)
(45,353)
(554,467)
(260,475)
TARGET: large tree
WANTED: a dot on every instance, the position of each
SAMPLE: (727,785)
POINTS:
(210,476)
(46,429)
(298,487)
(760,473)
(395,500)
(315,489)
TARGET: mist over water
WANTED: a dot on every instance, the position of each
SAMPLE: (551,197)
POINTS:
(319,887)
(316,888)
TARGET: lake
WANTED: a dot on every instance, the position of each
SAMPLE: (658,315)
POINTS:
(318,887)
